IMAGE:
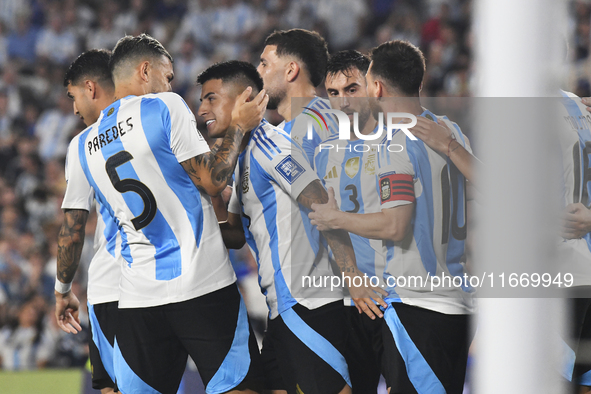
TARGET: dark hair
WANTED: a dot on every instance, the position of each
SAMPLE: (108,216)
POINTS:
(136,48)
(308,46)
(401,64)
(233,71)
(347,60)
(91,64)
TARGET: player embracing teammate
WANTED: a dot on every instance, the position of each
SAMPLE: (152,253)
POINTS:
(151,173)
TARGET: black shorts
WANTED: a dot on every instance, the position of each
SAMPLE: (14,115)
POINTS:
(577,366)
(103,321)
(364,351)
(152,345)
(303,350)
(424,351)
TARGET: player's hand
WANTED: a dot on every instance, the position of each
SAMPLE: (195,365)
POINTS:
(324,216)
(576,222)
(66,312)
(366,296)
(587,102)
(248,114)
(436,135)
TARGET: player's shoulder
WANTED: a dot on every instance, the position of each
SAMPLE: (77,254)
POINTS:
(566,94)
(267,140)
(318,103)
(267,132)
(170,99)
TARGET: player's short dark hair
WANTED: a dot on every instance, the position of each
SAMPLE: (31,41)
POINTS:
(347,60)
(308,46)
(136,48)
(93,64)
(400,64)
(233,71)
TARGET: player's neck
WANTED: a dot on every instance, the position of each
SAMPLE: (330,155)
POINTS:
(294,90)
(129,88)
(411,105)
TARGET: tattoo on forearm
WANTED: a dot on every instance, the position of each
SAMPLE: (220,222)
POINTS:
(314,193)
(338,240)
(70,241)
(219,162)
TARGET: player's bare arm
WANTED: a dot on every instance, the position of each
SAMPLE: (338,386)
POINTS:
(233,232)
(70,242)
(391,224)
(211,171)
(342,248)
(439,137)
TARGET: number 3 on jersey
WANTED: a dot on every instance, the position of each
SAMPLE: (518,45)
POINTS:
(132,185)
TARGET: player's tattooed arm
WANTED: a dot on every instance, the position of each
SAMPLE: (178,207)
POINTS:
(69,242)
(211,171)
(342,249)
(338,240)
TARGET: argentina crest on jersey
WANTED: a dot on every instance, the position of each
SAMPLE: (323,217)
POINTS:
(244,181)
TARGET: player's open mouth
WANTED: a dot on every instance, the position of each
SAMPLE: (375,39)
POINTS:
(209,123)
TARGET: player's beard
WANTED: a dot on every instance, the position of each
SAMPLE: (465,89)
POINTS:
(276,96)
(364,117)
(375,107)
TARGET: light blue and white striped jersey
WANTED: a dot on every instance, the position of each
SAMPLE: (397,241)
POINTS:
(349,167)
(271,173)
(170,240)
(104,271)
(324,126)
(435,246)
(574,135)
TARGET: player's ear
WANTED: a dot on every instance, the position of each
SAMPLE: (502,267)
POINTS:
(90,87)
(379,88)
(144,71)
(292,71)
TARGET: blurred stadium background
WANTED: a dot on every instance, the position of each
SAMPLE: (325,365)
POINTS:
(38,40)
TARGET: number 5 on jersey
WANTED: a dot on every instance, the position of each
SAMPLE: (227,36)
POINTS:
(132,185)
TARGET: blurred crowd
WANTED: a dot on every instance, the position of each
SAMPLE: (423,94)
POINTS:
(39,39)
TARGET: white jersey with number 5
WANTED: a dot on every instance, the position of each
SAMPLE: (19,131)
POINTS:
(170,240)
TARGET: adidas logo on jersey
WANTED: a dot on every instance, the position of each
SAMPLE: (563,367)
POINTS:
(332,173)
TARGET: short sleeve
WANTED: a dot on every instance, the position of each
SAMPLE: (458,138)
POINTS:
(79,193)
(396,176)
(185,139)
